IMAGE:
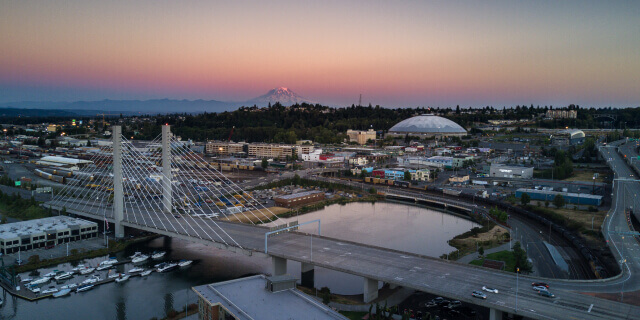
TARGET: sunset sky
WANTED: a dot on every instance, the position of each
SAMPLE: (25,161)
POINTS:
(394,53)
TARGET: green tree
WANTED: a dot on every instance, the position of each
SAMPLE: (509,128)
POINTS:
(525,199)
(521,258)
(481,250)
(407,176)
(325,293)
(265,163)
(558,201)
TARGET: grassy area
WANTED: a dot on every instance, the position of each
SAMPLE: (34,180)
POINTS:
(577,220)
(354,315)
(255,216)
(506,256)
(487,237)
(585,175)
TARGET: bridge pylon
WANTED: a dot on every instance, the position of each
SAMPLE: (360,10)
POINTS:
(166,169)
(118,193)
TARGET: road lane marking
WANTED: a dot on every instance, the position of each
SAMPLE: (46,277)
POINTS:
(590,308)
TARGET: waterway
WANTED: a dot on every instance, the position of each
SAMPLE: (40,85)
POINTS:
(386,224)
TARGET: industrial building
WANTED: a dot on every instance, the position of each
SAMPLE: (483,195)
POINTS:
(502,171)
(361,137)
(63,162)
(297,199)
(427,125)
(569,137)
(569,197)
(259,297)
(45,232)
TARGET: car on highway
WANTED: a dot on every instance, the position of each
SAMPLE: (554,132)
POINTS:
(540,284)
(539,288)
(546,293)
(489,289)
(478,294)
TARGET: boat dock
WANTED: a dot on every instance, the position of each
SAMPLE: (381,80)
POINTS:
(27,294)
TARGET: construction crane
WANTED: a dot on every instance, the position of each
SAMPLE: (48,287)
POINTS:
(231,133)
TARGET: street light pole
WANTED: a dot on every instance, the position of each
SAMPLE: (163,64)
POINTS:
(517,283)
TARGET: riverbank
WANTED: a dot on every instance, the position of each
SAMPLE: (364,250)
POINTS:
(488,237)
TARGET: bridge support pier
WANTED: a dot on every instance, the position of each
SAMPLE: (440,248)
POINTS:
(370,290)
(279,266)
(307,275)
(118,193)
(495,314)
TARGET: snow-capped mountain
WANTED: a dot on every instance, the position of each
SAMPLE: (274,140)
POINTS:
(285,96)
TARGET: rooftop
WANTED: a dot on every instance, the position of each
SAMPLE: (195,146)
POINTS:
(247,299)
(15,229)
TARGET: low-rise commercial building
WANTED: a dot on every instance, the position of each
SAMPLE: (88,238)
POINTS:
(459,179)
(297,199)
(502,171)
(568,137)
(361,137)
(226,148)
(259,297)
(45,232)
(274,151)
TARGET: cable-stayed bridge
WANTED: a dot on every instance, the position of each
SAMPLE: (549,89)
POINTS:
(164,187)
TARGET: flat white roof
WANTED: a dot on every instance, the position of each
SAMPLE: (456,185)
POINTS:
(63,160)
(247,299)
(37,226)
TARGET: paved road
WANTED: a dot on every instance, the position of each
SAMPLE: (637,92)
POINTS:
(428,274)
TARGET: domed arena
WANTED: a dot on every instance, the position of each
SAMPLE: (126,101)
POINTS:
(427,125)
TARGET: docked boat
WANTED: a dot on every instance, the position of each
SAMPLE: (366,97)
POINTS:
(39,281)
(84,287)
(123,278)
(105,267)
(64,275)
(69,286)
(184,263)
(92,279)
(50,290)
(78,268)
(26,280)
(109,262)
(62,293)
(35,289)
(165,267)
(135,270)
(52,274)
(87,270)
(140,258)
(158,255)
(137,254)
(146,273)
(115,275)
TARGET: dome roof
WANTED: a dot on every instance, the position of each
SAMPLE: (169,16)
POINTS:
(428,123)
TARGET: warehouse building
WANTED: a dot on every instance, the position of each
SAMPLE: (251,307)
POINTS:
(502,171)
(64,162)
(569,197)
(297,199)
(45,232)
(569,137)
